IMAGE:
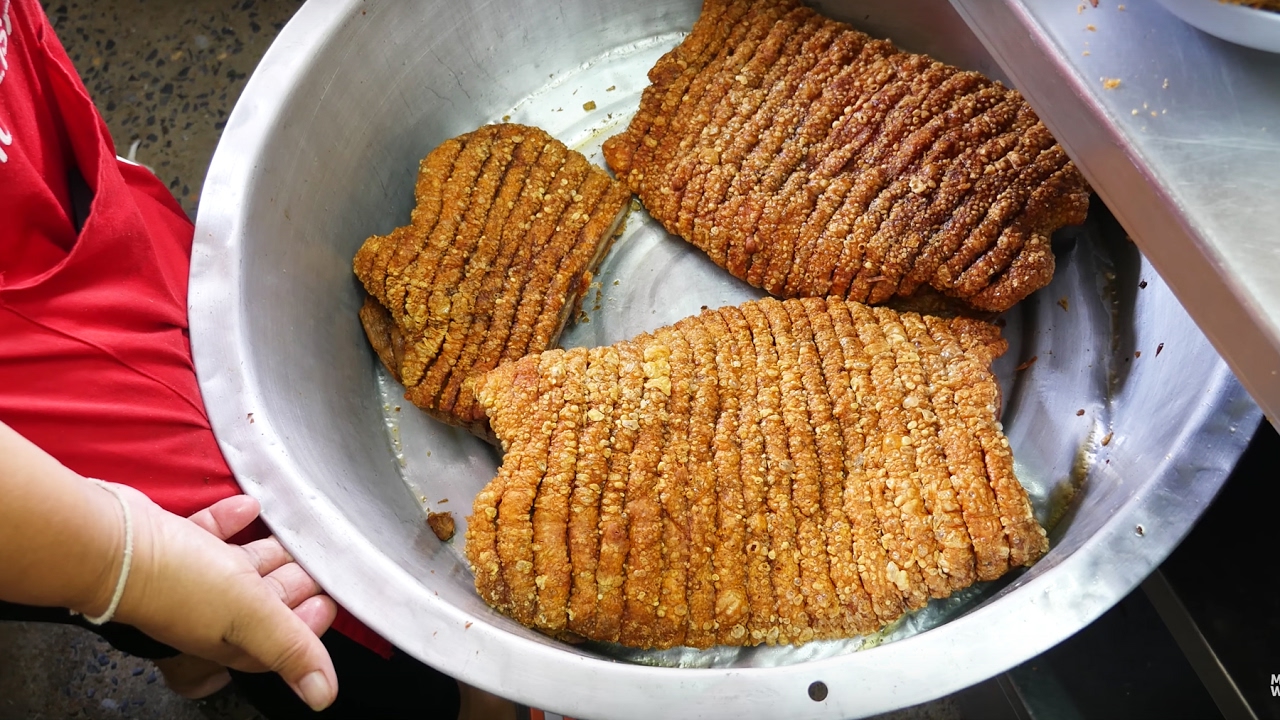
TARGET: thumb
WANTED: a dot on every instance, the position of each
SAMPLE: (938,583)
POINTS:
(280,640)
(228,516)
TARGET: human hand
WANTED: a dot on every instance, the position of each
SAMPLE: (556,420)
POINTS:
(247,607)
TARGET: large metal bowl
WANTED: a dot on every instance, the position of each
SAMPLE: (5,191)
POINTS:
(1119,452)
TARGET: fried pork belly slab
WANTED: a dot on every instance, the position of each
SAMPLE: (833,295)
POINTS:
(508,227)
(811,160)
(772,473)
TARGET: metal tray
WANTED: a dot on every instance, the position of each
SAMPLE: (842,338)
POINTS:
(1123,426)
(1184,150)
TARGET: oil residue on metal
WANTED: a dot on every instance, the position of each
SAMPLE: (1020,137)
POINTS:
(1064,491)
(390,390)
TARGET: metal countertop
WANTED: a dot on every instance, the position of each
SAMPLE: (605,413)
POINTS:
(1185,151)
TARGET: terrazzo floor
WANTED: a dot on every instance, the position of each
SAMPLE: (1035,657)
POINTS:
(165,76)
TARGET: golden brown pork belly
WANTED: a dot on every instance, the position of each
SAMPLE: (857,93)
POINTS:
(509,225)
(812,160)
(772,473)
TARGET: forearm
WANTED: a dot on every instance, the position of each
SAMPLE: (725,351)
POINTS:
(62,544)
(61,537)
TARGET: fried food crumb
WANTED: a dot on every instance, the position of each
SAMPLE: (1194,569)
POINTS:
(1111,83)
(441,524)
(1064,303)
(589,105)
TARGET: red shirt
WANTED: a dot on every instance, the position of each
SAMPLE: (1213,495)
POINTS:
(95,364)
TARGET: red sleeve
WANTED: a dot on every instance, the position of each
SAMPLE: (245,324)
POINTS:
(95,365)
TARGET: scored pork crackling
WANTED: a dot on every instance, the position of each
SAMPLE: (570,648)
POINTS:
(810,159)
(775,472)
(509,225)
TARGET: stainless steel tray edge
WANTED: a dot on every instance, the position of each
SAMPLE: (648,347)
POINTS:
(1177,206)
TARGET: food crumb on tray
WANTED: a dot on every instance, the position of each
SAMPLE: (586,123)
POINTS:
(442,525)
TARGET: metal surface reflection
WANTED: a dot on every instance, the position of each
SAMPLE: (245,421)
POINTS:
(321,152)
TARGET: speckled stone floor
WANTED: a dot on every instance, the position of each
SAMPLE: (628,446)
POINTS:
(165,76)
(63,672)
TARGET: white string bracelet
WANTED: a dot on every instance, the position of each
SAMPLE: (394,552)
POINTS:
(128,555)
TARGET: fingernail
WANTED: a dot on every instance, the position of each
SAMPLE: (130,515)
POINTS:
(315,690)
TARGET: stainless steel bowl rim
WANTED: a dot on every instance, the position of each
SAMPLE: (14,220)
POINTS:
(1028,618)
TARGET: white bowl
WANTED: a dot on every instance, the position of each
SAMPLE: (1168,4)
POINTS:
(1258,29)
